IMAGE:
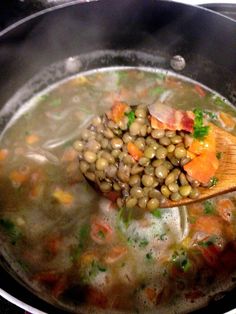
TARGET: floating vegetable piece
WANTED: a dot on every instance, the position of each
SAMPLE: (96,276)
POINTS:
(227,120)
(100,232)
(118,111)
(115,254)
(225,208)
(32,139)
(3,154)
(134,151)
(200,90)
(63,197)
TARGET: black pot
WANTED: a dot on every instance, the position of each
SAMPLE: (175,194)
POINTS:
(157,30)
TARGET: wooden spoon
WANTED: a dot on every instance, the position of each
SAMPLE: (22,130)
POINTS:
(226,173)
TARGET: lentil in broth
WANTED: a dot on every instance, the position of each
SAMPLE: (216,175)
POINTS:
(78,247)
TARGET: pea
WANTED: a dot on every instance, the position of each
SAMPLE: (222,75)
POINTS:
(154,193)
(170,133)
(104,143)
(146,190)
(101,163)
(96,121)
(140,143)
(93,146)
(165,191)
(170,148)
(182,179)
(142,202)
(127,138)
(187,140)
(134,180)
(131,202)
(149,170)
(157,163)
(170,178)
(89,156)
(165,141)
(184,161)
(136,169)
(168,165)
(144,161)
(105,186)
(116,143)
(176,139)
(185,190)
(141,112)
(152,204)
(116,153)
(150,141)
(123,173)
(173,187)
(175,196)
(143,130)
(90,175)
(111,124)
(136,192)
(85,134)
(78,145)
(147,180)
(174,161)
(134,129)
(111,171)
(180,152)
(157,133)
(149,152)
(128,160)
(154,145)
(141,121)
(194,193)
(116,187)
(108,133)
(161,172)
(108,157)
(161,152)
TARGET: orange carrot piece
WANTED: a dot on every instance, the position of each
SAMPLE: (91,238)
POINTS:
(115,254)
(18,177)
(118,111)
(134,151)
(208,144)
(156,124)
(3,154)
(63,197)
(211,225)
(32,139)
(202,167)
(228,121)
(69,154)
(151,294)
(225,208)
(199,90)
(196,209)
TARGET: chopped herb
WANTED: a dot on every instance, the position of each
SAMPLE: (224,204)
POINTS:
(219,101)
(44,97)
(181,260)
(149,256)
(209,208)
(131,117)
(156,213)
(200,131)
(101,268)
(161,76)
(55,102)
(210,114)
(101,234)
(162,236)
(191,219)
(122,75)
(125,215)
(82,237)
(11,230)
(209,242)
(219,155)
(92,271)
(143,243)
(157,91)
(214,180)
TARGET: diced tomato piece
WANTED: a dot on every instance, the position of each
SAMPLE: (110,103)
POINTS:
(211,225)
(200,90)
(112,195)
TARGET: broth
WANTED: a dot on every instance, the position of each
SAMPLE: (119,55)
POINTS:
(70,243)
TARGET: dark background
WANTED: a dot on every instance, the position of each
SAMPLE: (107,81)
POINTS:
(14,10)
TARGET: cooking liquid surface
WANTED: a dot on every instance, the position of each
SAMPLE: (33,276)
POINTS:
(66,241)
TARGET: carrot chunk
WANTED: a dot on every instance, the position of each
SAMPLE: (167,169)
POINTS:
(202,167)
(18,177)
(118,111)
(199,90)
(227,120)
(211,225)
(134,151)
(208,144)
(3,154)
(115,254)
(32,139)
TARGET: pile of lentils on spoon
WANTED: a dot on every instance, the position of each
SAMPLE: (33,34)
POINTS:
(134,160)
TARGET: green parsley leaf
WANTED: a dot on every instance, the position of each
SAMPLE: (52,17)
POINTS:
(157,91)
(131,117)
(122,75)
(181,260)
(214,180)
(125,215)
(143,243)
(157,213)
(209,208)
(210,114)
(55,102)
(101,234)
(199,130)
(219,101)
(11,230)
(219,155)
(207,243)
